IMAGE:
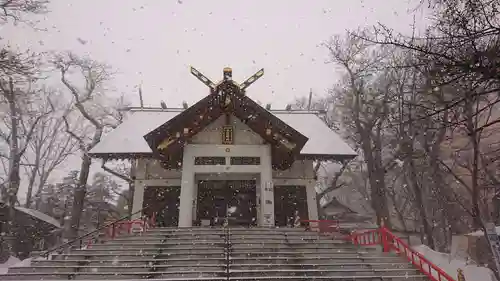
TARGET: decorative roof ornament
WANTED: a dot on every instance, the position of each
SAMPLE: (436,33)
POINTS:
(227,77)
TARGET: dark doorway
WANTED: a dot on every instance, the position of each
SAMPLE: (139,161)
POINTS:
(162,202)
(289,200)
(232,200)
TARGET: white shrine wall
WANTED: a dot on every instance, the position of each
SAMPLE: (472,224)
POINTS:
(242,134)
(208,143)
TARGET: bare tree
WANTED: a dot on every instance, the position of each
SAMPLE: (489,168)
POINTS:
(461,45)
(98,117)
(16,10)
(364,102)
(322,103)
(48,148)
(21,122)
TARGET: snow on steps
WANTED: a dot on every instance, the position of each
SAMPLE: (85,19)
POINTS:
(254,254)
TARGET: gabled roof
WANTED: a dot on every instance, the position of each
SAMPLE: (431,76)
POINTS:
(167,141)
(127,140)
(39,216)
(34,214)
(323,143)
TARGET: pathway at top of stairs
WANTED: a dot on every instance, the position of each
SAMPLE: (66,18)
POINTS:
(185,254)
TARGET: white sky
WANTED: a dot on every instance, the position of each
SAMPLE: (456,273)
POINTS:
(156,41)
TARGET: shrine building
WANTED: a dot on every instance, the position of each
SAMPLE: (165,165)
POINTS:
(226,159)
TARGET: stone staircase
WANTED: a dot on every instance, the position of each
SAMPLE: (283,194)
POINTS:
(221,254)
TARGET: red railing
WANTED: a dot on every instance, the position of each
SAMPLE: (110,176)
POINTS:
(323,226)
(389,241)
(120,227)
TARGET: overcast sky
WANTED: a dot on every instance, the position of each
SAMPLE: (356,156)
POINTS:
(155,42)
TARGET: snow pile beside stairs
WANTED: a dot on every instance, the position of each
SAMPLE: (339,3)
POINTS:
(13,261)
(442,260)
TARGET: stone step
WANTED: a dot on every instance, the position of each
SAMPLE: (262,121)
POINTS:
(265,266)
(281,237)
(121,259)
(160,247)
(302,253)
(260,278)
(200,262)
(182,232)
(336,278)
(182,272)
(220,247)
(169,241)
(256,232)
(151,251)
(168,238)
(153,243)
(230,229)
(91,267)
(372,277)
(305,251)
(284,239)
(321,259)
(187,234)
(301,246)
(326,271)
(256,235)
(97,257)
(243,240)
(326,265)
(192,250)
(164,275)
(314,259)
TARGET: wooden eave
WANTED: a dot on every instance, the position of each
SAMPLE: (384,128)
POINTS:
(121,156)
(176,132)
(327,157)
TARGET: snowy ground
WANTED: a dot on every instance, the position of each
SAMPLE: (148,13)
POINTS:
(13,261)
(442,260)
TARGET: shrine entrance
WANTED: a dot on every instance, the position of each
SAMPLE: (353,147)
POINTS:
(290,202)
(227,201)
(162,203)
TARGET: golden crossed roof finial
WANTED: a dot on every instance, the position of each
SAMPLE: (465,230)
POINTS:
(227,76)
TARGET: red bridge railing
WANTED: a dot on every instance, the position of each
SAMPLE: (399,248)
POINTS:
(389,242)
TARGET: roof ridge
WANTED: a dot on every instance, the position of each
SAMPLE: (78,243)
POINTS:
(173,109)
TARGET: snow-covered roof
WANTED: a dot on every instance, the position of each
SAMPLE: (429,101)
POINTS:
(322,139)
(481,233)
(128,137)
(39,215)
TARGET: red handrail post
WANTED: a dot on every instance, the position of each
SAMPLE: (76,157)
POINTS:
(113,231)
(354,237)
(384,239)
(153,220)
